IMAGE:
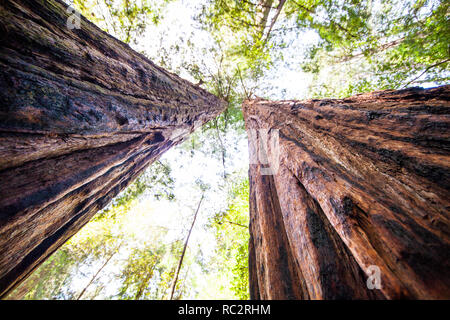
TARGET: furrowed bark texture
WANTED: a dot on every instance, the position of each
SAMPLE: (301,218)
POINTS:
(358,182)
(81,116)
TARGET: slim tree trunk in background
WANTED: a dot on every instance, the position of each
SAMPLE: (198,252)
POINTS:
(180,262)
(360,184)
(81,116)
(144,283)
(98,272)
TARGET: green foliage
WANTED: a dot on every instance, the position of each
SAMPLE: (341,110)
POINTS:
(155,181)
(240,27)
(232,235)
(375,45)
(125,19)
(140,268)
(362,45)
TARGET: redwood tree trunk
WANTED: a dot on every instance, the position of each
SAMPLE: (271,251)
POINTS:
(81,116)
(357,182)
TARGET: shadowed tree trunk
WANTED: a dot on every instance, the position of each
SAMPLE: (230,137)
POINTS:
(359,184)
(81,116)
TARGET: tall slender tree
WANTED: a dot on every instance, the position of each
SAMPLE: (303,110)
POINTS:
(180,261)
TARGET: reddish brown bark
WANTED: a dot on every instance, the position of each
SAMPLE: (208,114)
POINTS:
(362,181)
(81,116)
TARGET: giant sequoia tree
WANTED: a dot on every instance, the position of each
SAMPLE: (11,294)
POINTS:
(355,185)
(81,116)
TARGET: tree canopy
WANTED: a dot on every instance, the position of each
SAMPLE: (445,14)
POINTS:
(364,45)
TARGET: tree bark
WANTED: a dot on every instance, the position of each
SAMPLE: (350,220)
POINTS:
(81,116)
(357,182)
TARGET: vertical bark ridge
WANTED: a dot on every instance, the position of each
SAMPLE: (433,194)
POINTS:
(367,176)
(326,262)
(277,274)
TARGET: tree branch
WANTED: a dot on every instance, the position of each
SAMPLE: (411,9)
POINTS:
(428,68)
(274,19)
(231,222)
